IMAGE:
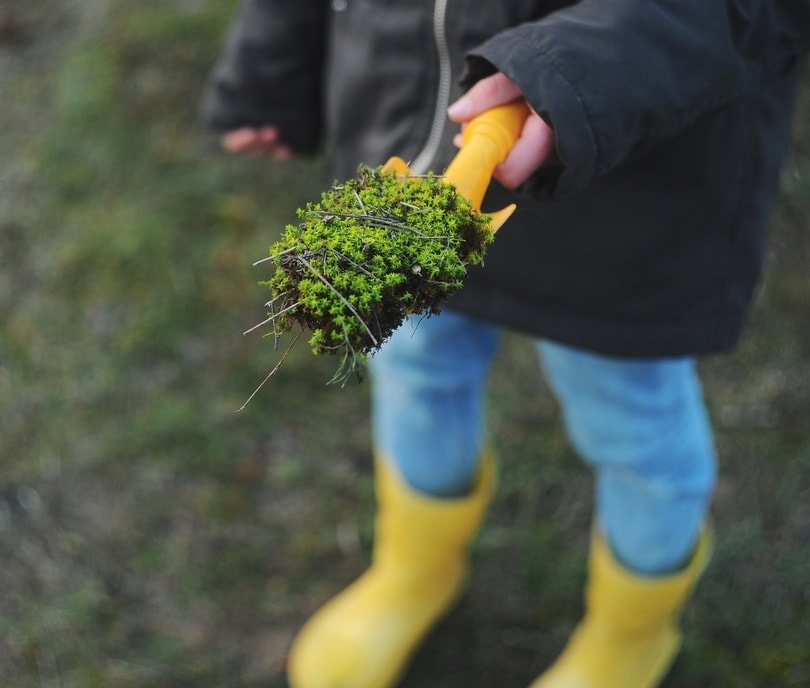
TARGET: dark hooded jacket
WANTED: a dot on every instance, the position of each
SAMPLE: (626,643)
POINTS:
(644,236)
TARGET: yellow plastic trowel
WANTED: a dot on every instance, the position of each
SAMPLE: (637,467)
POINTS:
(487,140)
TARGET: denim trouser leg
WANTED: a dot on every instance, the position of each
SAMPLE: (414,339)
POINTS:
(428,383)
(642,425)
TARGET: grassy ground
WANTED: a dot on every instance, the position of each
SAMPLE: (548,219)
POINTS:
(151,536)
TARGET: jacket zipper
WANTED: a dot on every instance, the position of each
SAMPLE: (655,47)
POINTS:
(422,161)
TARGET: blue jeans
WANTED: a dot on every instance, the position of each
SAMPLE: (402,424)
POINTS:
(641,424)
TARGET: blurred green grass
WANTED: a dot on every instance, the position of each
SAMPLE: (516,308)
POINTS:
(150,535)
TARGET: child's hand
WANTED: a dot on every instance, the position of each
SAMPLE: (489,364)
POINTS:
(536,141)
(257,141)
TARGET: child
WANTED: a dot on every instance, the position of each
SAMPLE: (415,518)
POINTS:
(643,178)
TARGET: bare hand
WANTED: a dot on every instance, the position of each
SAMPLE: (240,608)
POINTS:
(536,141)
(262,141)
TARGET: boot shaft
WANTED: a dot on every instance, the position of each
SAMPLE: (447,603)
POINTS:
(413,527)
(631,602)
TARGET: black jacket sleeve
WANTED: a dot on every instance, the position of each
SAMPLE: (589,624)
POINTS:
(270,71)
(616,76)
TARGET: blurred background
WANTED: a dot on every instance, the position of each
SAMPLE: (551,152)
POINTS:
(151,535)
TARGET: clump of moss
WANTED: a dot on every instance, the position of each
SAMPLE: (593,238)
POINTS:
(377,248)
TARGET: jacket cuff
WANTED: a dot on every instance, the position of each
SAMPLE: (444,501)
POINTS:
(553,98)
(300,127)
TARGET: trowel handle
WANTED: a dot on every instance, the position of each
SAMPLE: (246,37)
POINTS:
(487,138)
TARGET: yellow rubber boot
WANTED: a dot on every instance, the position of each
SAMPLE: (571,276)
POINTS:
(629,636)
(365,636)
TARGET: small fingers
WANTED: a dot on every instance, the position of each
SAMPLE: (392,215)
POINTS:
(257,141)
(531,150)
(494,90)
(240,140)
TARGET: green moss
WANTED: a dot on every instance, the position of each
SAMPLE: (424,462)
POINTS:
(375,250)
